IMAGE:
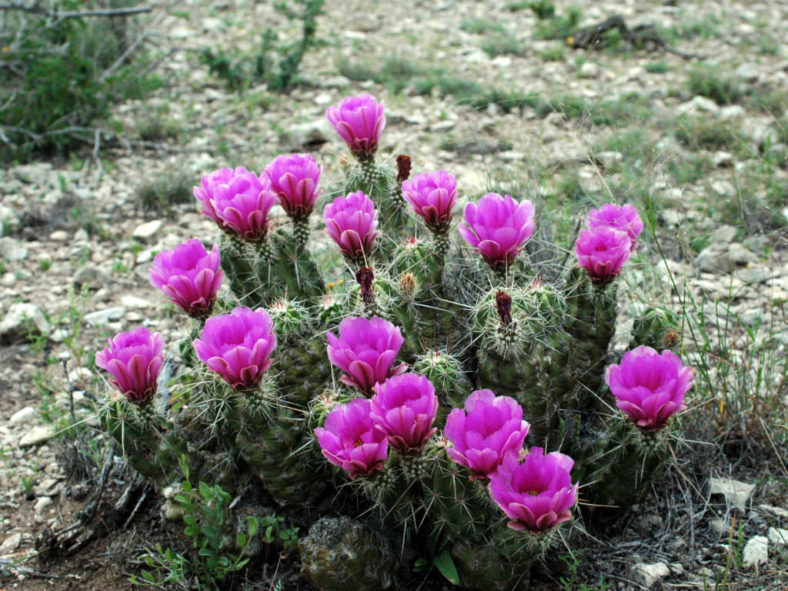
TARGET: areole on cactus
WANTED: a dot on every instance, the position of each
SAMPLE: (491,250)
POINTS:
(501,414)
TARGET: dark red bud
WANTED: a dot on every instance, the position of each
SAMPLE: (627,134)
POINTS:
(503,302)
(403,168)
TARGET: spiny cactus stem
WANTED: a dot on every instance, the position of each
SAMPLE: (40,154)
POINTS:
(441,245)
(300,232)
(369,171)
(264,252)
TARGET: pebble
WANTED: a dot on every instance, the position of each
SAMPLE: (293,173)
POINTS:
(11,250)
(650,574)
(148,230)
(37,436)
(778,536)
(41,504)
(735,492)
(59,236)
(133,302)
(756,551)
(21,322)
(11,543)
(23,416)
(92,277)
(102,317)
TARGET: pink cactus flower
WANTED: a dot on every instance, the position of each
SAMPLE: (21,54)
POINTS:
(295,179)
(359,120)
(498,227)
(536,494)
(404,407)
(239,201)
(238,346)
(352,223)
(134,360)
(649,386)
(624,218)
(602,251)
(488,428)
(189,276)
(350,440)
(432,196)
(365,350)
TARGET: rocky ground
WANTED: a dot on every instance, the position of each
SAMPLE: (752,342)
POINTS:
(697,141)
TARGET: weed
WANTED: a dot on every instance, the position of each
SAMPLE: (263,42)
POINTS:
(553,54)
(162,192)
(59,75)
(660,67)
(45,264)
(208,526)
(275,63)
(158,128)
(502,44)
(480,26)
(28,482)
(709,81)
(703,133)
(3,266)
(543,9)
(559,26)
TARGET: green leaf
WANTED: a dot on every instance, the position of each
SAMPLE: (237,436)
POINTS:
(445,565)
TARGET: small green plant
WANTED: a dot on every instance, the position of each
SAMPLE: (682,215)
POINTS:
(162,192)
(660,67)
(206,515)
(480,26)
(28,482)
(274,530)
(61,75)
(543,9)
(45,264)
(553,54)
(274,63)
(559,26)
(710,82)
(502,44)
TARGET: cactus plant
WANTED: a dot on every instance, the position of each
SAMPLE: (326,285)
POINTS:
(296,368)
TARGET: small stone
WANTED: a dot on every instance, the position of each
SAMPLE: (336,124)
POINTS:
(732,113)
(701,104)
(335,82)
(778,536)
(148,230)
(722,159)
(41,504)
(59,236)
(735,492)
(21,322)
(740,256)
(101,317)
(90,276)
(724,234)
(11,250)
(308,135)
(756,551)
(589,70)
(80,375)
(671,217)
(36,173)
(23,416)
(714,259)
(650,574)
(747,73)
(11,543)
(37,436)
(133,302)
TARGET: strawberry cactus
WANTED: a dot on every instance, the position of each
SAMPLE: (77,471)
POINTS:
(447,402)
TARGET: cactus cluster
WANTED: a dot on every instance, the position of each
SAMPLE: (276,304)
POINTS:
(413,391)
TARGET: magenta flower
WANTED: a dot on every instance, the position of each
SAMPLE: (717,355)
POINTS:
(190,276)
(485,431)
(237,346)
(134,360)
(352,223)
(359,120)
(624,218)
(295,179)
(602,251)
(432,196)
(350,440)
(497,227)
(649,386)
(238,200)
(365,350)
(404,407)
(536,494)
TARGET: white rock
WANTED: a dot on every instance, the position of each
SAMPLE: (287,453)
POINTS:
(722,159)
(101,317)
(589,70)
(748,72)
(311,133)
(37,436)
(778,536)
(20,321)
(11,250)
(731,113)
(133,302)
(756,551)
(724,234)
(41,504)
(11,543)
(649,574)
(58,236)
(147,230)
(779,511)
(37,173)
(714,259)
(23,416)
(91,276)
(735,492)
(739,255)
